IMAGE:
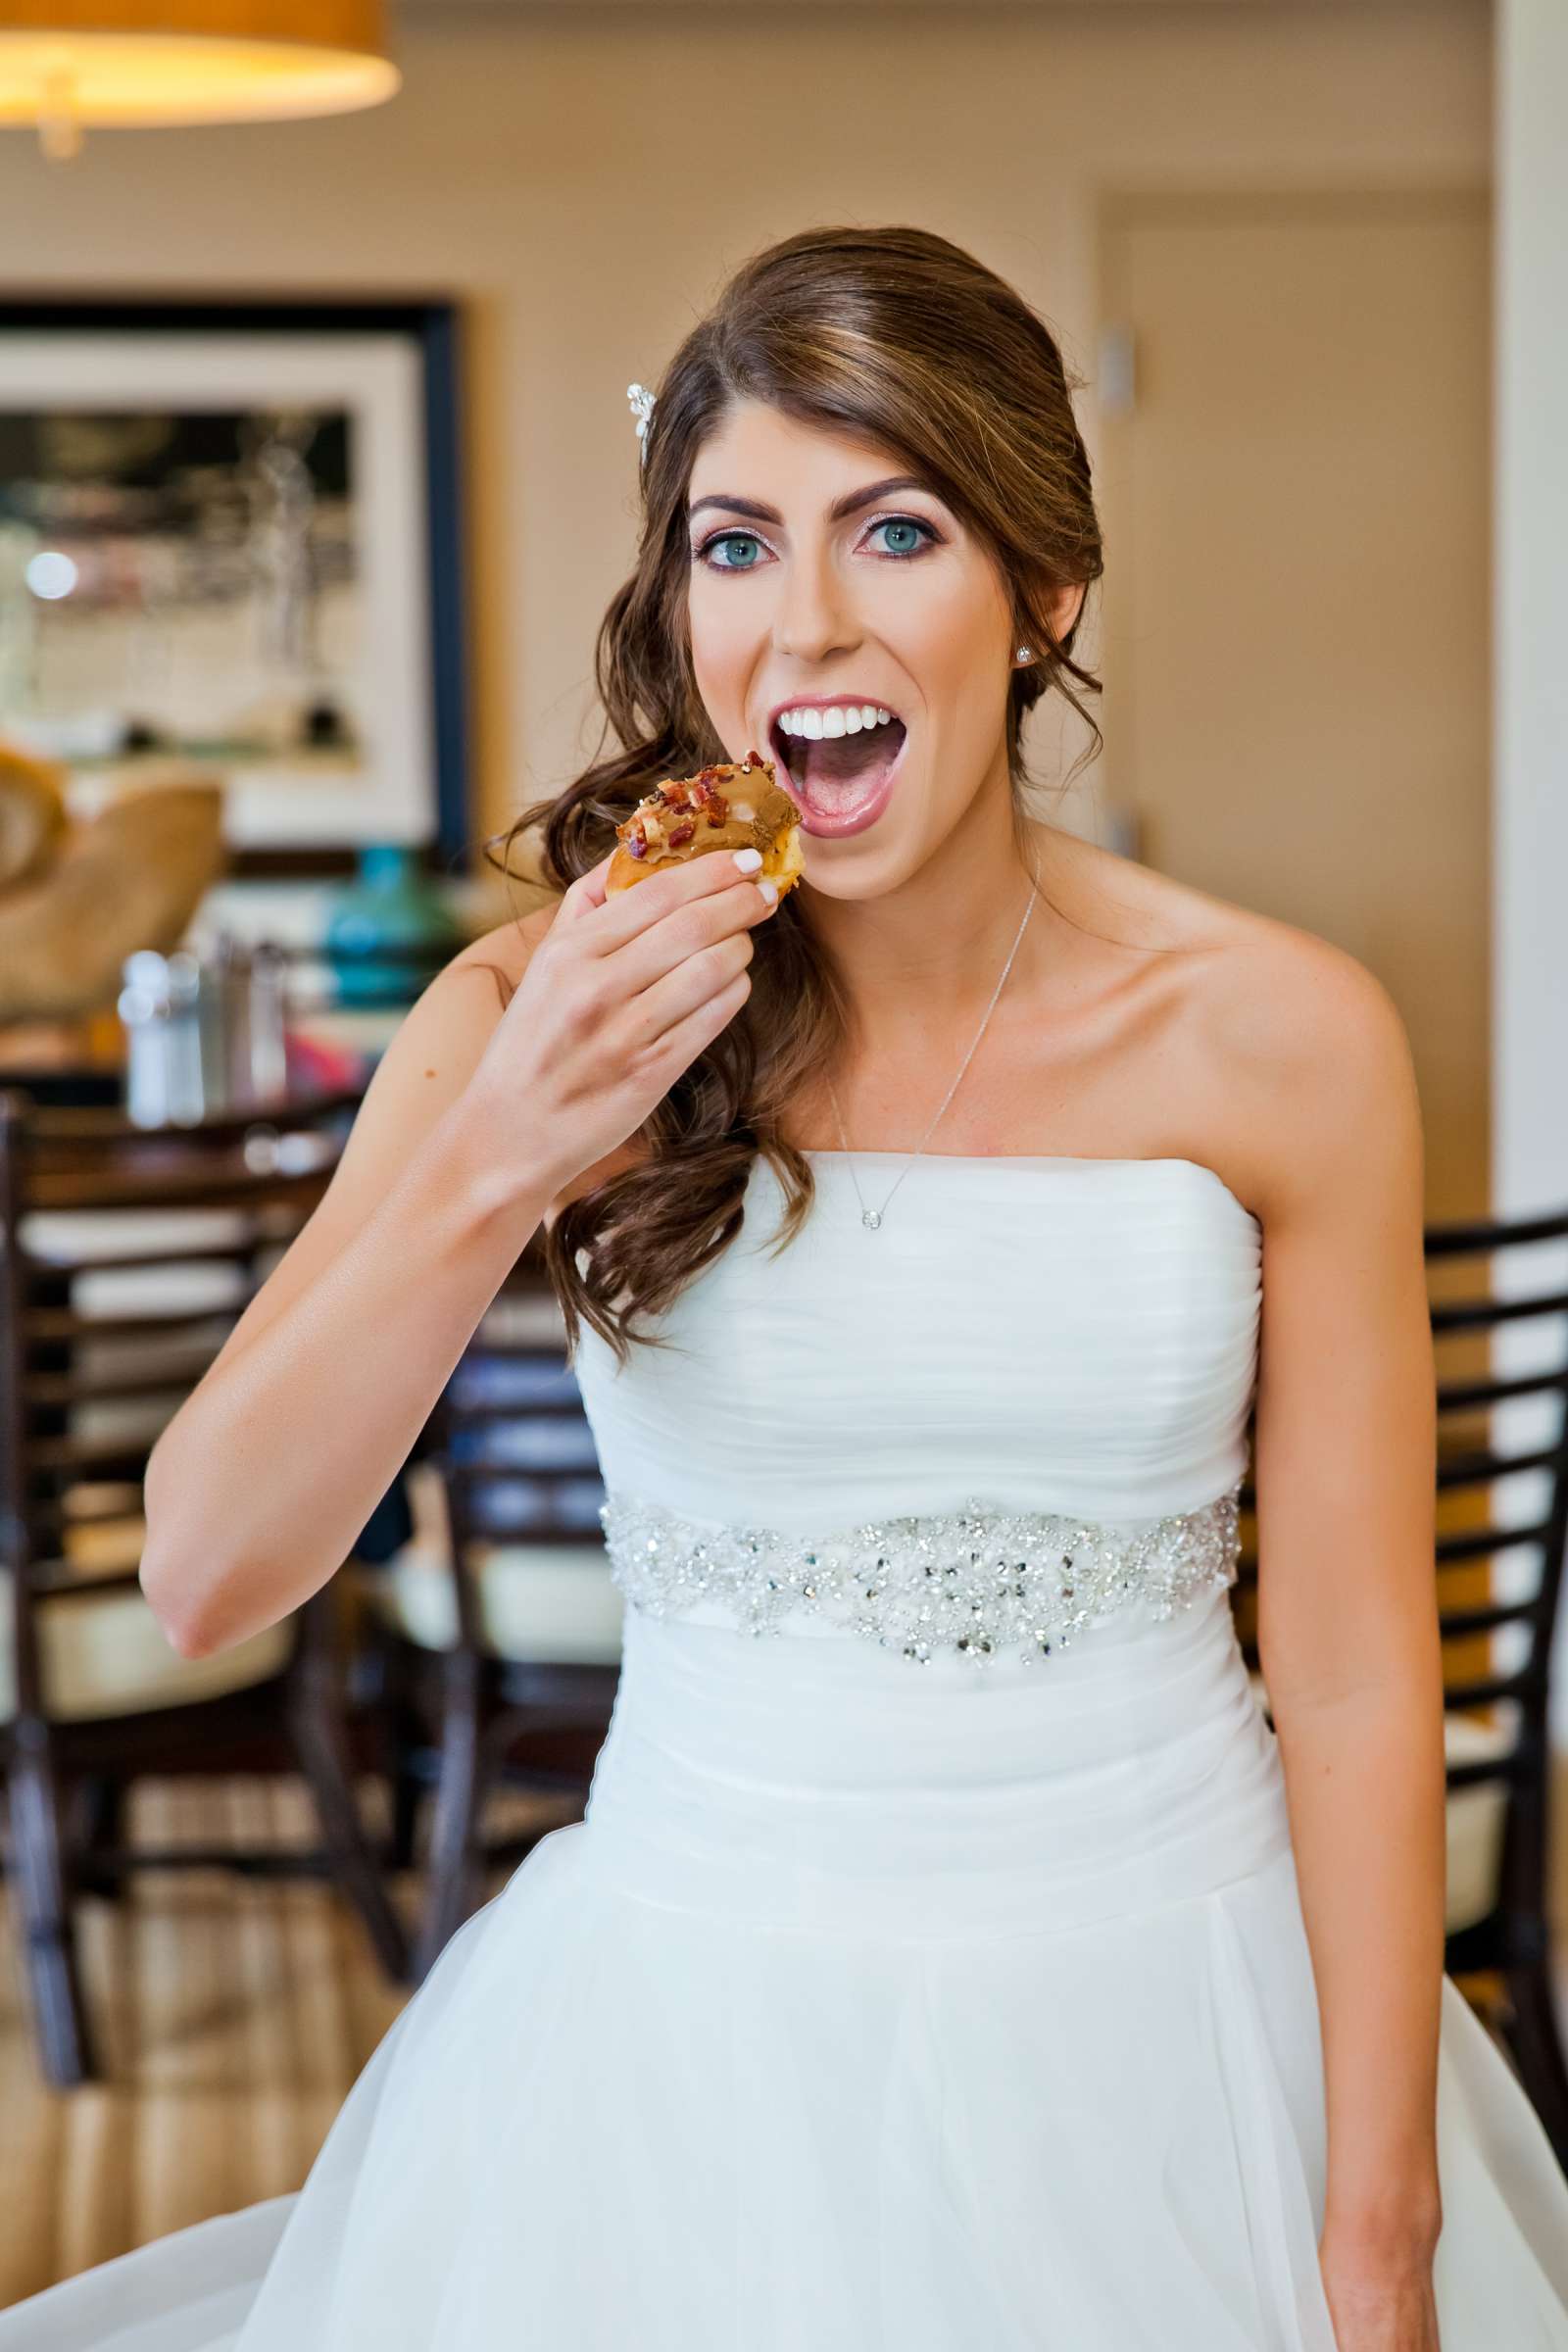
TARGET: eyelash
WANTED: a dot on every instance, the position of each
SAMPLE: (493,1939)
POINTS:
(933,539)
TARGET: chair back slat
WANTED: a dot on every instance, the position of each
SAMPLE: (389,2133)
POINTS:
(52,1323)
(1476,1237)
(61,1581)
(1479,1465)
(1489,1690)
(1467,1396)
(1486,1314)
(1486,1542)
(1486,1772)
(60,1388)
(1485,1618)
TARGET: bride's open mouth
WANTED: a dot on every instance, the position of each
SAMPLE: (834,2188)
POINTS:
(842,782)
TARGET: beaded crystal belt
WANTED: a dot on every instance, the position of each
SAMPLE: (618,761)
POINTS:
(976,1580)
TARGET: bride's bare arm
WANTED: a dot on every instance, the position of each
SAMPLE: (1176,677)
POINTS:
(479,1114)
(1348,1634)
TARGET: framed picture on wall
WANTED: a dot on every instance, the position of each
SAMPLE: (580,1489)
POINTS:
(230,544)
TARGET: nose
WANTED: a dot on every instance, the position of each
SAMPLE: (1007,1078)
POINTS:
(814,617)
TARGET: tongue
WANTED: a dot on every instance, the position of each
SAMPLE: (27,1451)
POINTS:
(836,773)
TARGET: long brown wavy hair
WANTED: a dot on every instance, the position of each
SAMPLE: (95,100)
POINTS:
(898,338)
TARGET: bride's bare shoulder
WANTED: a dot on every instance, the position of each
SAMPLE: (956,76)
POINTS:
(1281,1036)
(1274,995)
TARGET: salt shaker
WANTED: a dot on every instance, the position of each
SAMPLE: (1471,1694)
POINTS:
(159,1005)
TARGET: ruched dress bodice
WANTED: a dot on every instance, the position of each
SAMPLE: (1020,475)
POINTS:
(1071,1335)
(1016,1408)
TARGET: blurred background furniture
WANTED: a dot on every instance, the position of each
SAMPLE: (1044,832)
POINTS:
(1500,1338)
(128,1257)
(497,1622)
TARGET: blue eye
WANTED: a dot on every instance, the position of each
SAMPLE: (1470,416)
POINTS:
(909,536)
(730,539)
(909,525)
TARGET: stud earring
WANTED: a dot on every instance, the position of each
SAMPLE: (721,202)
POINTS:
(1024,655)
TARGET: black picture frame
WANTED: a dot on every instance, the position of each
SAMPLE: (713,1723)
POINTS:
(433,327)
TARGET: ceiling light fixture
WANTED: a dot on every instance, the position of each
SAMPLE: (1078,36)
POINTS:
(136,65)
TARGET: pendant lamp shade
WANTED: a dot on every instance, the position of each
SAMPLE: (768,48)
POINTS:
(151,63)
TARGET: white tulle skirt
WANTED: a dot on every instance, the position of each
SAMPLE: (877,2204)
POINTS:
(873,2008)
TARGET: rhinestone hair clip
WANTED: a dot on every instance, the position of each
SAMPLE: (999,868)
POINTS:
(642,409)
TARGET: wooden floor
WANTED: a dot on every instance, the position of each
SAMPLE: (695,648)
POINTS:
(233,2015)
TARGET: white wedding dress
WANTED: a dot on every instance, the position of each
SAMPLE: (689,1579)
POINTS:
(929,1972)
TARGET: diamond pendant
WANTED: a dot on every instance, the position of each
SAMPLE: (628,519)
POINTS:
(871,1217)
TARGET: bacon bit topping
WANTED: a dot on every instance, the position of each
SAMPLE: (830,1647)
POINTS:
(706,797)
(680,834)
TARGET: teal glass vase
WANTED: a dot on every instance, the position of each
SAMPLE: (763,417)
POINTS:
(389,931)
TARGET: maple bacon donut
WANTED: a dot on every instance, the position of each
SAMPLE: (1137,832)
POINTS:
(736,805)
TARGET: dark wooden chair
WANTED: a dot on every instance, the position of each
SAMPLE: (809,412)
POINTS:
(499,1626)
(126,1254)
(1503,1529)
(1500,1340)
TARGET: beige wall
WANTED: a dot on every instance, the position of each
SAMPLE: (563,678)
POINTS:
(586,180)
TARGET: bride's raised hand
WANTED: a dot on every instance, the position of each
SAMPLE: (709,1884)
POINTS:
(619,998)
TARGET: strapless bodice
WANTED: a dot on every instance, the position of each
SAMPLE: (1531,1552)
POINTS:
(1017,1406)
(1065,1336)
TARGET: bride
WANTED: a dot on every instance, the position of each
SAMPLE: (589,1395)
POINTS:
(952,1956)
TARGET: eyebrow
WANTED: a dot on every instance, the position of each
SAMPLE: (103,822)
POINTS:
(850,503)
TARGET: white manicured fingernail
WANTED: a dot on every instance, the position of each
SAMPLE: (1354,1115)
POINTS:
(769,890)
(747,860)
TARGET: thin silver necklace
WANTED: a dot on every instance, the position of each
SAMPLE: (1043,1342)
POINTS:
(871,1218)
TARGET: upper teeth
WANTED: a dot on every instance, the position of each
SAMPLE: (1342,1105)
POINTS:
(813,720)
